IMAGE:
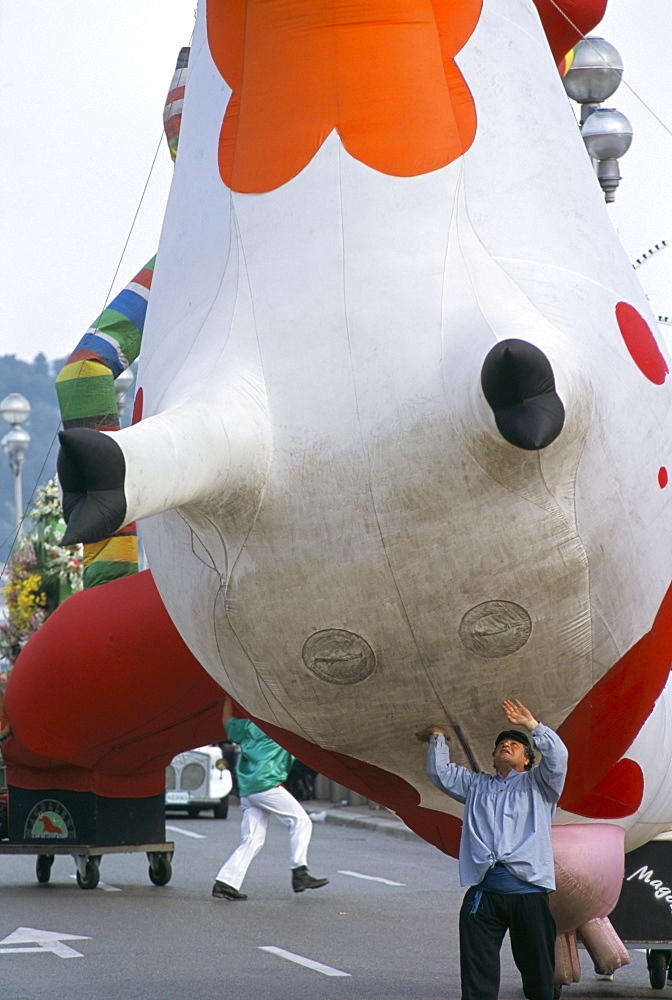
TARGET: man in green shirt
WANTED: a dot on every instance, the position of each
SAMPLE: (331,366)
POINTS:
(261,769)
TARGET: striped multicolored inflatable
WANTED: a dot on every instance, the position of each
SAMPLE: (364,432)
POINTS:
(85,384)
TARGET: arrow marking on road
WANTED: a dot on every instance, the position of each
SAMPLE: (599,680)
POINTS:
(186,833)
(326,970)
(371,878)
(30,940)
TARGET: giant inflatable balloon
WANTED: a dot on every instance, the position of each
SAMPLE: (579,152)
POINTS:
(403,447)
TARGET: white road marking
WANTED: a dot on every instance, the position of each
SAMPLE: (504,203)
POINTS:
(103,885)
(186,833)
(55,948)
(371,878)
(31,940)
(326,970)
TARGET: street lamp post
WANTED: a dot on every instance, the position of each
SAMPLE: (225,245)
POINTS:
(593,75)
(15,409)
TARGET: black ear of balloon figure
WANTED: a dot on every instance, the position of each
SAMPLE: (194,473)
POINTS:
(91,469)
(518,383)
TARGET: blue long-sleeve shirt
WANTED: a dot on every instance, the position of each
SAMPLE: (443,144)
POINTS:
(505,819)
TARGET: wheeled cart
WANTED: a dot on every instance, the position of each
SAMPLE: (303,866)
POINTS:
(88,857)
(48,822)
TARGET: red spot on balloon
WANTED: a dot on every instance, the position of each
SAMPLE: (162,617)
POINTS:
(641,343)
(137,407)
(662,477)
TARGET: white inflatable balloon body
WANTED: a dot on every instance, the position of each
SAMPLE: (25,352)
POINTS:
(344,525)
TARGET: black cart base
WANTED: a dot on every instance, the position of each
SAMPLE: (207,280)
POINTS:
(87,826)
(87,858)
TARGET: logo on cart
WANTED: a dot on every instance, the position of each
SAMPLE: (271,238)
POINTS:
(51,820)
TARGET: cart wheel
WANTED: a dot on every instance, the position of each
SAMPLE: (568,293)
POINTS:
(161,872)
(657,962)
(43,867)
(91,876)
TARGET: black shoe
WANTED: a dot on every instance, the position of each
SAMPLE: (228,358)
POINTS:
(302,879)
(221,890)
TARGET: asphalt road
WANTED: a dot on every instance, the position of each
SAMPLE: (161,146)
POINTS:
(384,928)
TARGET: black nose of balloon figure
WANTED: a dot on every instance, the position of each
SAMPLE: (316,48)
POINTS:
(518,383)
(92,471)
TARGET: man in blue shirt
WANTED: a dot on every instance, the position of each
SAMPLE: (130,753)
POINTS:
(505,854)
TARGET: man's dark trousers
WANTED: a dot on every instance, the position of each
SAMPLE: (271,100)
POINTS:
(531,926)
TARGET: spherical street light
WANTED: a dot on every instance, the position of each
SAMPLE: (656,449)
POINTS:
(15,409)
(607,134)
(594,74)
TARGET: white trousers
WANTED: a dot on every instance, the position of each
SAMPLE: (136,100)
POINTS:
(256,810)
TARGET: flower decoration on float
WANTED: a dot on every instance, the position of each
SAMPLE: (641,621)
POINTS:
(41,573)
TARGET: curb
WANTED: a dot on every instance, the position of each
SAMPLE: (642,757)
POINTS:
(387,823)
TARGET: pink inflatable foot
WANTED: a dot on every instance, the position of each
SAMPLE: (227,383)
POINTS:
(589,862)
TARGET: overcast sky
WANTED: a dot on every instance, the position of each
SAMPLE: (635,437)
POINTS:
(84,84)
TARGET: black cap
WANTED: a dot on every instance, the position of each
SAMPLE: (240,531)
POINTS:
(514,734)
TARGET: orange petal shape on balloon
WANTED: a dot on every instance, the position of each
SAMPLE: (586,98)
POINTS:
(380,72)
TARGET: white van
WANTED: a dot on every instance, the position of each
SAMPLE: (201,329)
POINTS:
(199,779)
